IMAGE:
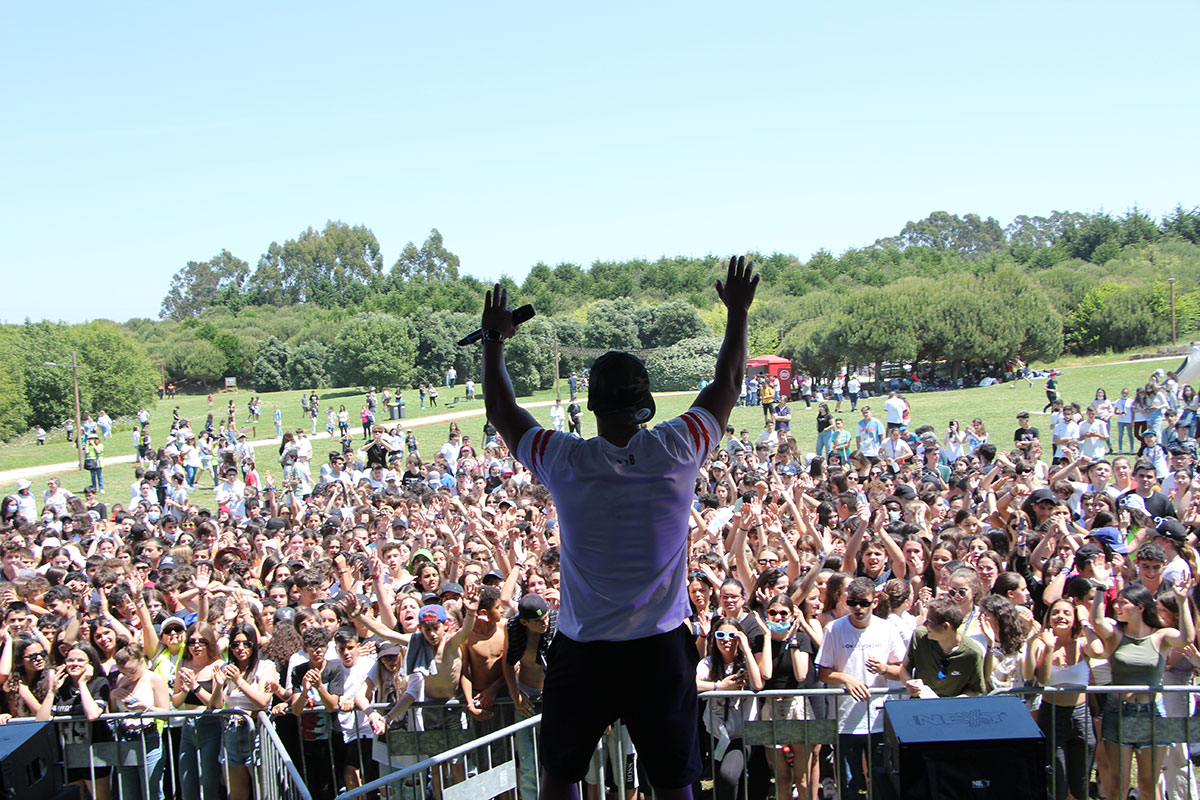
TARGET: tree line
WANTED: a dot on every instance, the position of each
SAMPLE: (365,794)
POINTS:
(323,309)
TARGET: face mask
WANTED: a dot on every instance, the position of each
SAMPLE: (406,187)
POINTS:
(778,627)
(894,516)
(153,516)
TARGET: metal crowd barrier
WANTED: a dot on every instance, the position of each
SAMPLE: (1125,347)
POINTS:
(489,759)
(133,776)
(1165,732)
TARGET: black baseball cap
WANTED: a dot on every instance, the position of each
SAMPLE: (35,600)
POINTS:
(620,385)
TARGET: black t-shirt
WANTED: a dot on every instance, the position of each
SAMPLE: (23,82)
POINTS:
(782,676)
(316,726)
(824,422)
(1025,434)
(377,453)
(1156,505)
(68,703)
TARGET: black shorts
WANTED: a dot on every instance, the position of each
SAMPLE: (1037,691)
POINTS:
(649,683)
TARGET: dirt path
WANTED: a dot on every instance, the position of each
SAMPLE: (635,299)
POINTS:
(70,467)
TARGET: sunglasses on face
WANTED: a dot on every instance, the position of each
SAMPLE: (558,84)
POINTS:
(724,636)
(239,643)
(863,603)
(194,642)
(782,613)
(958,592)
(768,561)
(692,576)
(39,656)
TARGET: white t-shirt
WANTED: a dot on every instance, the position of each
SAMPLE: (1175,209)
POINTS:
(451,451)
(895,407)
(354,723)
(623,523)
(1124,408)
(1093,447)
(846,649)
(1067,430)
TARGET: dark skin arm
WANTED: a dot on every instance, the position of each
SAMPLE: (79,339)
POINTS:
(499,399)
(737,293)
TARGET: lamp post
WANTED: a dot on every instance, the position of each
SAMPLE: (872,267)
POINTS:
(74,367)
(557,387)
(1171,283)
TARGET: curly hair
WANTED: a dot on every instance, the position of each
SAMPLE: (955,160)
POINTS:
(1008,623)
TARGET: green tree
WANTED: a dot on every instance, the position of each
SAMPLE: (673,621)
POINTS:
(15,410)
(817,346)
(373,349)
(1183,224)
(436,334)
(1081,331)
(201,284)
(114,372)
(119,378)
(332,267)
(1115,317)
(664,325)
(681,366)
(1035,233)
(270,373)
(196,360)
(238,351)
(612,325)
(521,358)
(970,236)
(1097,239)
(431,262)
(307,365)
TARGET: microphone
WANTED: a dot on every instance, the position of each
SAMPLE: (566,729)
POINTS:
(521,314)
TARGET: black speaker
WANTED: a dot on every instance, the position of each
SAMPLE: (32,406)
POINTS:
(963,747)
(29,761)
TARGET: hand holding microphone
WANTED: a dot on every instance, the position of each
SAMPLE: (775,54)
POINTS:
(497,316)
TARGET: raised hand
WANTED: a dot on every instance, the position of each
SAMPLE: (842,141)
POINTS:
(203,577)
(496,313)
(737,291)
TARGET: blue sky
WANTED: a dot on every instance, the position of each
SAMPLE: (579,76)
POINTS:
(136,137)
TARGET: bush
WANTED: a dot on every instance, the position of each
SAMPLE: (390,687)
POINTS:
(682,366)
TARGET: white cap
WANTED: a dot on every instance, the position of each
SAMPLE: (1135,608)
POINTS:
(22,484)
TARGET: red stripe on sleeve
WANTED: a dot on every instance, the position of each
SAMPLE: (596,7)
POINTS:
(541,445)
(533,451)
(704,431)
(693,429)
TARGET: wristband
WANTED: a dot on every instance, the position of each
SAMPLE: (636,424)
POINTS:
(492,335)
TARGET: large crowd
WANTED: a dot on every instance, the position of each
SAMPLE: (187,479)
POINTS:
(392,589)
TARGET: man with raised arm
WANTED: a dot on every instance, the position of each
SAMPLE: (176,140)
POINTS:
(623,500)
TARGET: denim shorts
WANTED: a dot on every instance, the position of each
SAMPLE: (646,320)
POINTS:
(239,744)
(1130,724)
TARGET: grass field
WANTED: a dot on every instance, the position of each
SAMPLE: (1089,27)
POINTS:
(996,405)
